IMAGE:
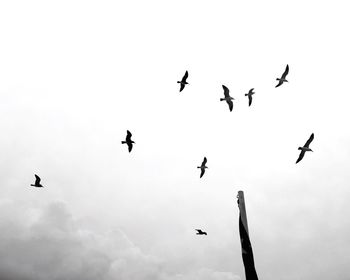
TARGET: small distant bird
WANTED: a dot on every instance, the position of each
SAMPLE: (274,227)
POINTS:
(283,77)
(203,167)
(227,98)
(128,140)
(183,82)
(200,232)
(305,148)
(249,94)
(37,182)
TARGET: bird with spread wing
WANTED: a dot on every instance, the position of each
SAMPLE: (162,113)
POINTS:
(227,98)
(250,97)
(128,141)
(183,82)
(283,77)
(37,182)
(203,167)
(305,148)
(200,232)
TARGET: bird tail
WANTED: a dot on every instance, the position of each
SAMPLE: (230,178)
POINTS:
(32,185)
(123,142)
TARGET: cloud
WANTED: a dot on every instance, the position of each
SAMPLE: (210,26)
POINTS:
(207,274)
(50,244)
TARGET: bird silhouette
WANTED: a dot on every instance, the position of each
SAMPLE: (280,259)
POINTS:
(183,82)
(283,77)
(200,232)
(305,148)
(128,141)
(227,98)
(37,182)
(250,97)
(203,167)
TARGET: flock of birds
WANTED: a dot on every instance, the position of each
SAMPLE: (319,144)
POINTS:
(129,142)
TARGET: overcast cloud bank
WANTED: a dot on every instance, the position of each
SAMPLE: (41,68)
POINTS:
(50,244)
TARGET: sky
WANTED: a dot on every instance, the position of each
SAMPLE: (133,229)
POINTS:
(76,75)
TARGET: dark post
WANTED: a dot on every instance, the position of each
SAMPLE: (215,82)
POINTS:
(247,251)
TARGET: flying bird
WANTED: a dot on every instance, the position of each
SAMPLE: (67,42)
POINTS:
(37,182)
(183,82)
(227,98)
(128,140)
(283,77)
(305,148)
(250,97)
(203,167)
(200,232)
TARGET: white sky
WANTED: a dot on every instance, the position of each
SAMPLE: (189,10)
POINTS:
(75,75)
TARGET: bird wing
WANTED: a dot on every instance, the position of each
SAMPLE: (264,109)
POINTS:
(184,78)
(199,230)
(202,172)
(128,135)
(129,146)
(309,140)
(204,161)
(182,87)
(251,91)
(250,99)
(301,155)
(284,75)
(37,179)
(226,91)
(230,104)
(279,83)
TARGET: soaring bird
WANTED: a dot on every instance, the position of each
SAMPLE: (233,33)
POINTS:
(200,232)
(283,77)
(37,182)
(227,98)
(183,81)
(203,167)
(305,148)
(128,140)
(249,94)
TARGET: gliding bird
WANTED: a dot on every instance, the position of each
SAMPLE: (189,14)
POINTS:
(283,77)
(249,94)
(227,98)
(203,167)
(183,82)
(128,141)
(305,148)
(200,232)
(37,182)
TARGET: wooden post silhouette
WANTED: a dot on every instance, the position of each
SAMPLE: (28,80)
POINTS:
(247,251)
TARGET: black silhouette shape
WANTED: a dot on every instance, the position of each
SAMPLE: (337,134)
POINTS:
(37,182)
(283,77)
(250,97)
(227,98)
(305,148)
(203,167)
(183,82)
(200,232)
(128,141)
